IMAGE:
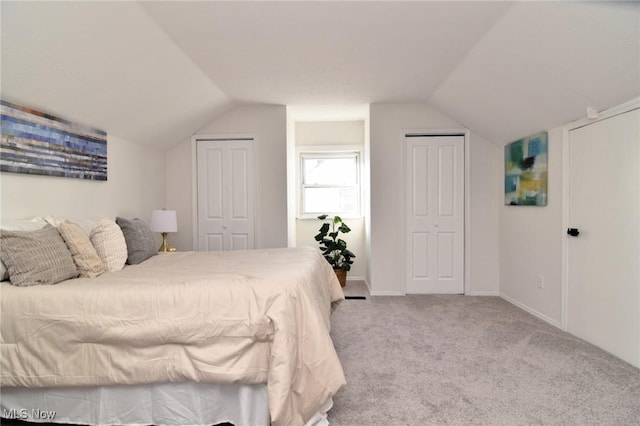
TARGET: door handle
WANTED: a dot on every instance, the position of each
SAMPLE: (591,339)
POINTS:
(574,232)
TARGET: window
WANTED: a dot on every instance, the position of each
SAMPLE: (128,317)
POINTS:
(330,183)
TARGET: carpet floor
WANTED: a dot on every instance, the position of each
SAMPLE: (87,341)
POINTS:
(464,360)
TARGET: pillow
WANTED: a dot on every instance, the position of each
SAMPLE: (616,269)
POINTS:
(87,225)
(36,257)
(19,225)
(53,221)
(82,251)
(139,238)
(110,245)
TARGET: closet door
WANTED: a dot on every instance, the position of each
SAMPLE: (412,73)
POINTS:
(226,194)
(434,240)
(603,295)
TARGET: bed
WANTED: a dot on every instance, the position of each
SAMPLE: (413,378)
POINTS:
(251,325)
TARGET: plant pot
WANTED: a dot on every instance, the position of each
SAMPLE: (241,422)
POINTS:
(342,276)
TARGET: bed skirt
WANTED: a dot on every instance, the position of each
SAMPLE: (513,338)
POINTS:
(159,404)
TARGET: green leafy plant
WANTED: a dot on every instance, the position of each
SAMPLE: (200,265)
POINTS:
(334,249)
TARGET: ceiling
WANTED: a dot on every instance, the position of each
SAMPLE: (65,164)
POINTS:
(156,72)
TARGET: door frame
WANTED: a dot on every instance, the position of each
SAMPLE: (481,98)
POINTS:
(566,195)
(221,137)
(466,133)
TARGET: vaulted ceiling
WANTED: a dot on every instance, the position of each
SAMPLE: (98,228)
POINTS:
(156,72)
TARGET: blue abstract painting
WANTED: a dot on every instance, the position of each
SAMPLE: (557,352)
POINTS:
(525,171)
(34,142)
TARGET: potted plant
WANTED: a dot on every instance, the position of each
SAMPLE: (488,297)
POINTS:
(334,249)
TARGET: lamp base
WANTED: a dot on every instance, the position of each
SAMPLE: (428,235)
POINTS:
(165,247)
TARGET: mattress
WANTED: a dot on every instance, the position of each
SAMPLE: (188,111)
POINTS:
(250,317)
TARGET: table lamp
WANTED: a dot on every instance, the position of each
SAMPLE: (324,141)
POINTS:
(164,221)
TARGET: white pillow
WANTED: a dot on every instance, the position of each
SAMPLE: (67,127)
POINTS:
(109,242)
(87,224)
(53,221)
(19,225)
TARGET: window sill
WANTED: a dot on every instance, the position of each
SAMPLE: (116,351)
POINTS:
(344,217)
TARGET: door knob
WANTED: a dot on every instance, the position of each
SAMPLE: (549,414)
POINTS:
(574,232)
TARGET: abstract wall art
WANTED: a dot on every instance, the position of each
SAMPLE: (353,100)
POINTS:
(525,171)
(37,143)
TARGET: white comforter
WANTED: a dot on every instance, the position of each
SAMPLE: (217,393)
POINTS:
(260,316)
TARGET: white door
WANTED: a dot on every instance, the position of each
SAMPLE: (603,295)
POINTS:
(226,196)
(603,296)
(434,167)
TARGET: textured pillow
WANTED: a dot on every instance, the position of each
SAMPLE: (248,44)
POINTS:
(139,238)
(109,242)
(19,225)
(36,257)
(84,254)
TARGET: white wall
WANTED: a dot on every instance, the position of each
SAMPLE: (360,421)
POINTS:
(386,261)
(330,133)
(268,124)
(531,245)
(319,133)
(134,188)
(178,196)
(486,196)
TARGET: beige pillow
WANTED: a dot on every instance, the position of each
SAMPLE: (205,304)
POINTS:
(36,257)
(109,242)
(84,254)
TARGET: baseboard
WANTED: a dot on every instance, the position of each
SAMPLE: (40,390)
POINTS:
(386,293)
(399,293)
(531,311)
(483,293)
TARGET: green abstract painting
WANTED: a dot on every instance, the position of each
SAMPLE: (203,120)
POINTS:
(525,171)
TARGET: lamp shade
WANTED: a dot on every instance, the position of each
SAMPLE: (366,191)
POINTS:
(163,221)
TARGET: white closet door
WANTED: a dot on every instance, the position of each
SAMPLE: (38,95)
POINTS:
(603,298)
(434,168)
(226,195)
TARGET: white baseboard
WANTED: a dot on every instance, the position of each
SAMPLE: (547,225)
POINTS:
(399,293)
(531,311)
(483,293)
(386,293)
(350,278)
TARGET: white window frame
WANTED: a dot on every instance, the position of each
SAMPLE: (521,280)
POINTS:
(328,151)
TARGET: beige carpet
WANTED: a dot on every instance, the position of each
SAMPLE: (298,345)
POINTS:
(432,360)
